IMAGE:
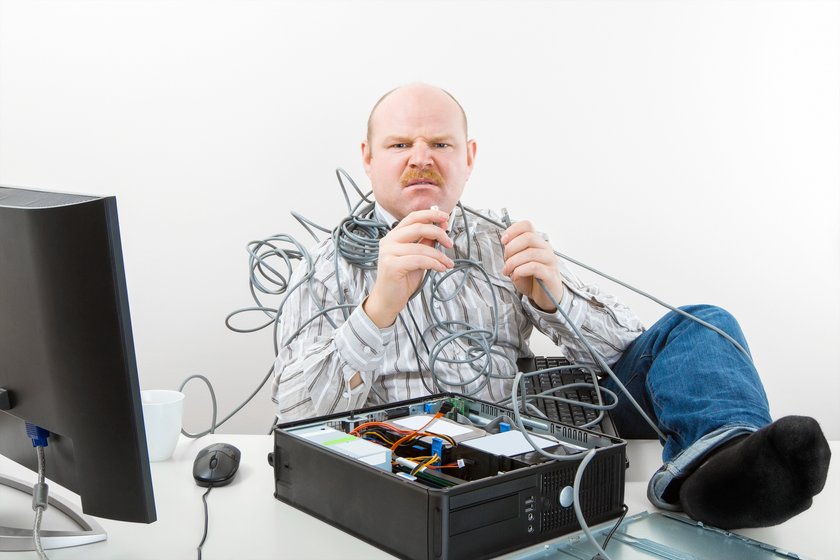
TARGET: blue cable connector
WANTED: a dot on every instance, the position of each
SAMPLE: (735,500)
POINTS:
(37,434)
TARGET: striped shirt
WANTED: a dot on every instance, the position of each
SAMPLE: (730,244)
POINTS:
(312,371)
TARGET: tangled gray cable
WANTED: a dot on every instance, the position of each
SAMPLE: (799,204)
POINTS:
(356,240)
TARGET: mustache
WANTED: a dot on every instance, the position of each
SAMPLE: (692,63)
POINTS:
(421,175)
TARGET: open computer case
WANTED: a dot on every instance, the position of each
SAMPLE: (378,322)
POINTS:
(489,492)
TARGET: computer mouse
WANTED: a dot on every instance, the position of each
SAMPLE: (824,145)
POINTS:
(216,465)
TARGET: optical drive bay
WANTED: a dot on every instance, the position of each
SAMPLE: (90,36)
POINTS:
(486,506)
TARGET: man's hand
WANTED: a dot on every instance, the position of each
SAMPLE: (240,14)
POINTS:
(405,254)
(529,257)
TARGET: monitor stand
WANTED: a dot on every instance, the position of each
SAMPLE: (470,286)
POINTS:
(13,539)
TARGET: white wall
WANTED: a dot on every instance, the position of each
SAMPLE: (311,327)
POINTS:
(690,148)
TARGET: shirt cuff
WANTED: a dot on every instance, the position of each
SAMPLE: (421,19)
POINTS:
(361,343)
(571,304)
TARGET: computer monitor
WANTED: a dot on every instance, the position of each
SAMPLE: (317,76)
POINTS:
(67,359)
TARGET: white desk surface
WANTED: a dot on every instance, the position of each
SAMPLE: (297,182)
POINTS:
(246,521)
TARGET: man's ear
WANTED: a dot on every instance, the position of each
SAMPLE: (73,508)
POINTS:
(366,155)
(471,150)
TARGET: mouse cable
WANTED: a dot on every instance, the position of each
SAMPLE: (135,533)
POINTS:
(206,521)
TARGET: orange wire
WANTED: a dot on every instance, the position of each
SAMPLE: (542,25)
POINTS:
(409,434)
(415,432)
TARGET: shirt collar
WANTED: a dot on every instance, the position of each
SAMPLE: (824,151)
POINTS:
(384,216)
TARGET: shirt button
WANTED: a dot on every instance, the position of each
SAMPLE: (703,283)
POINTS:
(368,350)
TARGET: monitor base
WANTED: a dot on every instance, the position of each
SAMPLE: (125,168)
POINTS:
(18,540)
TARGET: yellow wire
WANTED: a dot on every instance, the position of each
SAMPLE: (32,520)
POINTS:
(425,464)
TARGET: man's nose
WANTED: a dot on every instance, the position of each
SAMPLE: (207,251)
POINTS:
(421,155)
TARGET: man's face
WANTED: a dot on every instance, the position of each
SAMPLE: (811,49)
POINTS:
(418,155)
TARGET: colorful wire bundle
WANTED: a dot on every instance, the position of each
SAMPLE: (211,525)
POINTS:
(395,436)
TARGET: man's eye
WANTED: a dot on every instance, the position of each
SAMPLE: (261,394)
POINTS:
(399,145)
(441,145)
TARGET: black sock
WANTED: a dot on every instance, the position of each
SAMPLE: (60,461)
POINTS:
(762,479)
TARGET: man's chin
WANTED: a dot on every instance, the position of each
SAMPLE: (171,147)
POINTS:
(420,203)
(428,204)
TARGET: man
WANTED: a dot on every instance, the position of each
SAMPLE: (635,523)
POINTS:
(725,462)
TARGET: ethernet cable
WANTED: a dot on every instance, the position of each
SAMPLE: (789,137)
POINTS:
(362,250)
(213,423)
(356,240)
(636,290)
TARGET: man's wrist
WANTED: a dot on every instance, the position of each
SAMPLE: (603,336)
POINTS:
(542,306)
(541,301)
(355,381)
(380,318)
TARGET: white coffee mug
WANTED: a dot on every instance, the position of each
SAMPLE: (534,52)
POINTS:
(163,411)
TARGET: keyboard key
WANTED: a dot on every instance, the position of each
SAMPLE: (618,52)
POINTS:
(557,411)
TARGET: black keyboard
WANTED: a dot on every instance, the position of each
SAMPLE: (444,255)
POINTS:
(557,411)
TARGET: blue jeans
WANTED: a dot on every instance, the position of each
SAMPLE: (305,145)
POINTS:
(698,387)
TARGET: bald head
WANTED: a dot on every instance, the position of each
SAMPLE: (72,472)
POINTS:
(417,153)
(412,91)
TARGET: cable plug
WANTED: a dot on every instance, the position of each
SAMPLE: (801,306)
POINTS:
(435,208)
(37,434)
(506,217)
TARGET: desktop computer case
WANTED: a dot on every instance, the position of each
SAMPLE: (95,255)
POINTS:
(477,519)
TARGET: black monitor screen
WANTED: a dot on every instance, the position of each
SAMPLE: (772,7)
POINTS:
(67,359)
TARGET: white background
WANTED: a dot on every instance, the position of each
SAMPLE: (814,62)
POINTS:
(689,148)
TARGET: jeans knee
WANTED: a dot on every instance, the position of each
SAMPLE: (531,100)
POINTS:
(714,315)
(705,311)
